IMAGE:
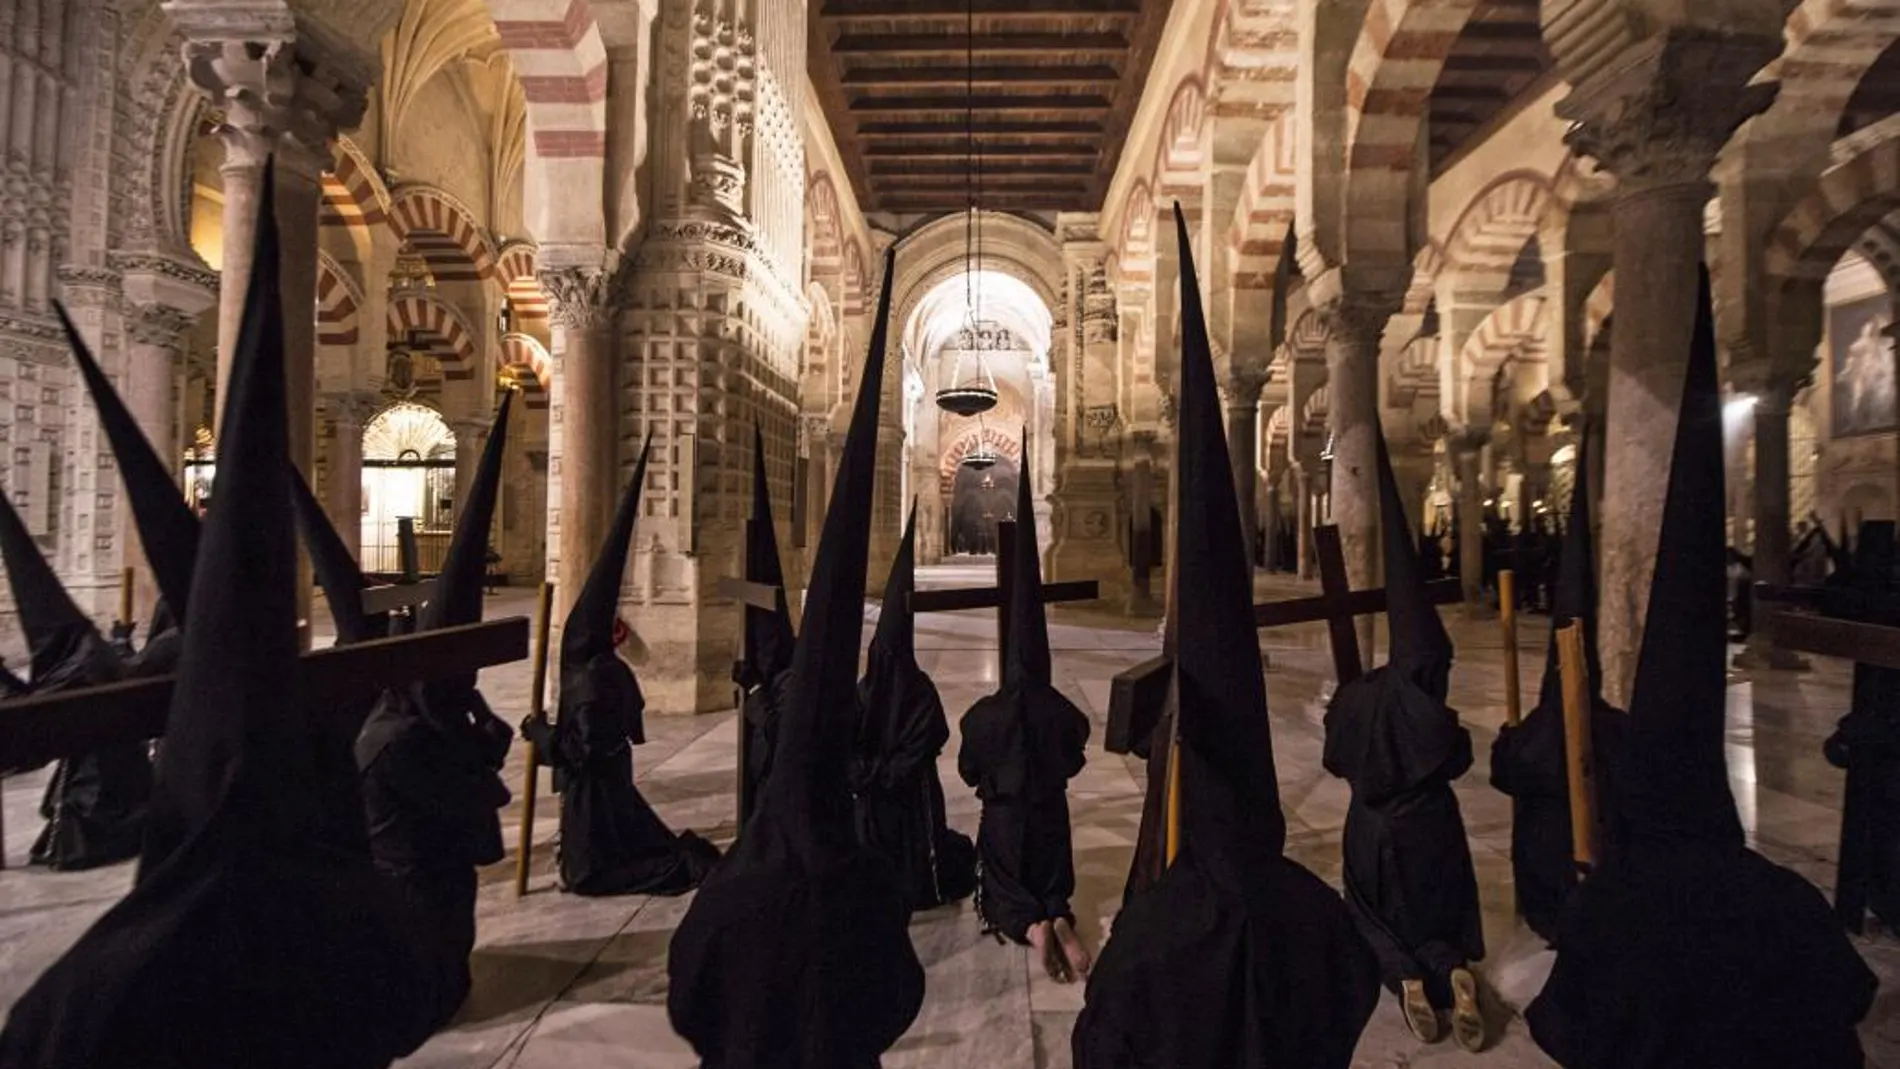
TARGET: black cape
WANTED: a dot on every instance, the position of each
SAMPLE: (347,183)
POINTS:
(95,804)
(612,843)
(1021,746)
(900,806)
(1408,871)
(758,718)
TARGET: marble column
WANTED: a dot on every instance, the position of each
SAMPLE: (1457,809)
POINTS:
(343,493)
(155,343)
(1774,400)
(581,306)
(1354,327)
(1467,452)
(1656,120)
(1242,397)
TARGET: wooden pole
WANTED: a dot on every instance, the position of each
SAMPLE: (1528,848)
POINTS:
(537,706)
(125,596)
(1174,795)
(1507,616)
(1581,760)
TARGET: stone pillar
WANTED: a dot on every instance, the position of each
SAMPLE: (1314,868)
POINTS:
(155,335)
(1773,402)
(1467,453)
(1242,396)
(580,305)
(471,437)
(1303,511)
(1656,119)
(1355,324)
(343,494)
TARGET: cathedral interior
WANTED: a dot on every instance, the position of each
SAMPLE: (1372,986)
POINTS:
(1471,227)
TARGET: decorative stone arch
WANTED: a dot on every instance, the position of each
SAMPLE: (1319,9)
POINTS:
(852,279)
(1309,333)
(1513,332)
(1280,426)
(821,331)
(450,339)
(1850,197)
(516,269)
(1000,440)
(156,119)
(1394,65)
(534,369)
(1317,409)
(1135,254)
(1413,374)
(1012,246)
(1426,267)
(1180,157)
(354,197)
(557,51)
(444,232)
(1268,202)
(1829,47)
(339,299)
(827,228)
(1492,231)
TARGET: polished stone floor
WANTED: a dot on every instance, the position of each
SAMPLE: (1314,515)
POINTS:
(566,981)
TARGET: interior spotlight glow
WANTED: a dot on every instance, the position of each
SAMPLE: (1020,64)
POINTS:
(1739,406)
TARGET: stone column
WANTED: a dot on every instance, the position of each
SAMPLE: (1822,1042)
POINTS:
(1242,397)
(1467,454)
(1355,324)
(155,342)
(471,437)
(343,494)
(581,306)
(1303,511)
(1656,119)
(1773,402)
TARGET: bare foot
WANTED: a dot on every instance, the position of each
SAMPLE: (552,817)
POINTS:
(1072,947)
(1044,941)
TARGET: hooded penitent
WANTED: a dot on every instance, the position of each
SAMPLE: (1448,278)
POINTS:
(1408,871)
(768,635)
(168,531)
(337,572)
(611,840)
(1236,956)
(250,938)
(1021,746)
(1684,947)
(899,797)
(1528,761)
(95,804)
(430,756)
(1867,743)
(796,953)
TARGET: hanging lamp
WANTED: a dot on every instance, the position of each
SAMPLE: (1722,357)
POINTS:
(977,394)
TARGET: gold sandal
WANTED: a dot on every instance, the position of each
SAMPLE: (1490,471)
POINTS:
(1420,1017)
(1467,1021)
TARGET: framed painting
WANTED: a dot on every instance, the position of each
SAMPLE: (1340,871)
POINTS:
(1860,367)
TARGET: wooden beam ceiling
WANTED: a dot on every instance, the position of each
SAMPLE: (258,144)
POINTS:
(1049,87)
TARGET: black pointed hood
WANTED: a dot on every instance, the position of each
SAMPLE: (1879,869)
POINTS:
(819,719)
(896,634)
(342,580)
(168,531)
(589,630)
(768,633)
(1676,786)
(1575,599)
(1230,796)
(1029,662)
(457,596)
(56,631)
(237,763)
(1419,641)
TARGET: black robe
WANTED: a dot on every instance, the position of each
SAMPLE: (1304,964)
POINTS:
(432,791)
(1867,745)
(1201,974)
(95,804)
(1408,871)
(899,799)
(612,842)
(1021,746)
(1684,953)
(1528,763)
(759,720)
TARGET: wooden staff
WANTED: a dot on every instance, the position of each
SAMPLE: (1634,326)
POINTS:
(537,707)
(1582,761)
(1172,844)
(125,596)
(1507,616)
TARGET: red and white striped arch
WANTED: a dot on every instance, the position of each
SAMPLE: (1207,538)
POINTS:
(1486,240)
(1135,256)
(443,232)
(353,194)
(1268,201)
(1394,66)
(1180,162)
(1850,197)
(524,354)
(827,231)
(440,326)
(1426,267)
(339,299)
(562,64)
(1830,44)
(854,283)
(515,268)
(1511,329)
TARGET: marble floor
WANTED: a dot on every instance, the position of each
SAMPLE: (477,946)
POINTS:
(563,981)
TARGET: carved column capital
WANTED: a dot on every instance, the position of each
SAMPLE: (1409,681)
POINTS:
(1356,321)
(1659,116)
(579,298)
(351,408)
(277,95)
(159,325)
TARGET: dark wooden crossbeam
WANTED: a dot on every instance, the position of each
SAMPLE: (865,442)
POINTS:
(983,103)
(757,595)
(955,44)
(39,729)
(1801,632)
(998,596)
(392,597)
(938,77)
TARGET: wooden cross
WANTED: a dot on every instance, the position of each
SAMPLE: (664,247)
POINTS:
(1836,622)
(758,596)
(1137,696)
(331,683)
(998,597)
